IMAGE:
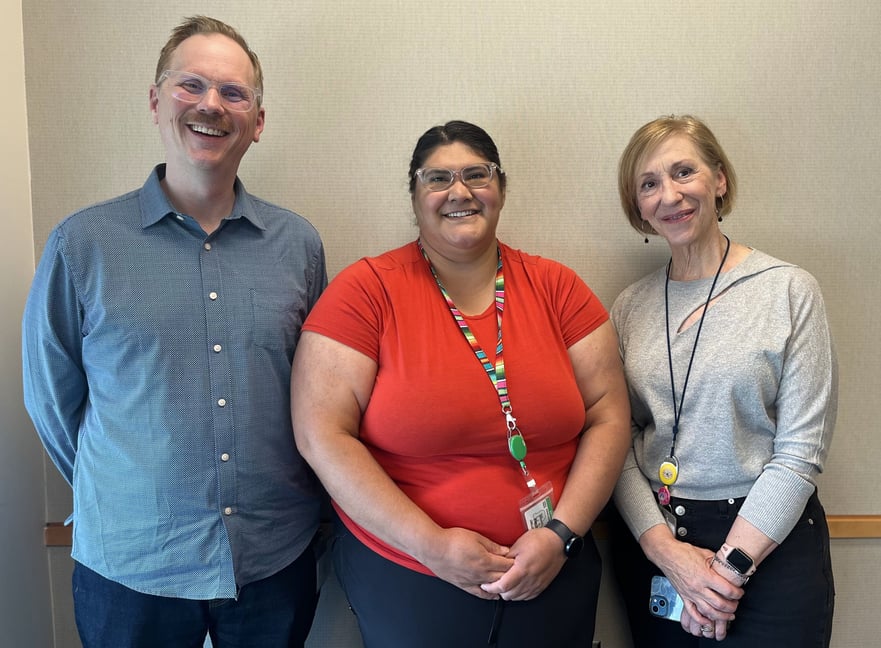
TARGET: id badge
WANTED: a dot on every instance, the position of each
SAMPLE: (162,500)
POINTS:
(537,508)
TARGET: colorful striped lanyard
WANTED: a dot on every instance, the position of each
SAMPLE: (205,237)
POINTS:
(516,442)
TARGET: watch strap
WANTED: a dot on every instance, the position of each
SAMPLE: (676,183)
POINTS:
(725,558)
(564,532)
(560,529)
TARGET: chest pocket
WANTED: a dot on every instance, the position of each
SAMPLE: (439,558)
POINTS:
(276,321)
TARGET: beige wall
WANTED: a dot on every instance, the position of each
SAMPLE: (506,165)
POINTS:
(792,89)
(25,612)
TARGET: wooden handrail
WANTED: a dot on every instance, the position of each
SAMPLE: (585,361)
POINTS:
(56,534)
(854,526)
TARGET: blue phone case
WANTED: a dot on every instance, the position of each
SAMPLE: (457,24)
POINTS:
(664,601)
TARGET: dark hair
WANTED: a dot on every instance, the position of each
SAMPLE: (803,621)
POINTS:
(474,137)
(206,26)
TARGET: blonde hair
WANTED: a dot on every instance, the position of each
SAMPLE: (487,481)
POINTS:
(204,25)
(647,139)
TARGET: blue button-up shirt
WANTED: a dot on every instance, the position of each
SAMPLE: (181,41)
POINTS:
(157,367)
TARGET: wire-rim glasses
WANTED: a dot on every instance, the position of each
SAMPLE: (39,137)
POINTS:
(474,176)
(190,87)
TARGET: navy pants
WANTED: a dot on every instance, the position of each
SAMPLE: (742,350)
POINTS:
(788,602)
(397,607)
(275,612)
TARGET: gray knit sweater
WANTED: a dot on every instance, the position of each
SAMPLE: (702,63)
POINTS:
(761,399)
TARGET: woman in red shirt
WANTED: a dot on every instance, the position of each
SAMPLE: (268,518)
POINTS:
(464,404)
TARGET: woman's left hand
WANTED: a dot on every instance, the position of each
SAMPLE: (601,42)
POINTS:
(709,629)
(538,558)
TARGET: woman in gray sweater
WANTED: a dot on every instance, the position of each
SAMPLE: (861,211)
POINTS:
(733,387)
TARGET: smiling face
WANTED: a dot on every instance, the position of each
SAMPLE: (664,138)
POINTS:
(676,190)
(205,135)
(457,222)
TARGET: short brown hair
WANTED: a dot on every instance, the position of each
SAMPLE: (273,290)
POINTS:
(648,138)
(204,25)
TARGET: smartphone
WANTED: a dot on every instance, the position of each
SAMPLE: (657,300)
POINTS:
(664,601)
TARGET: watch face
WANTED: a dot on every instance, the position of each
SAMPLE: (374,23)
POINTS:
(740,561)
(574,546)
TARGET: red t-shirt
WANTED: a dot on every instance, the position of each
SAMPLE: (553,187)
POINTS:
(434,421)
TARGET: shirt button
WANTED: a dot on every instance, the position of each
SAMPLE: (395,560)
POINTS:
(221,402)
(679,510)
(682,532)
(212,295)
(731,501)
(217,348)
(207,246)
(227,510)
(179,217)
(224,457)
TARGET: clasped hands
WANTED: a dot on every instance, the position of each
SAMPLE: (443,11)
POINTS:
(481,567)
(710,596)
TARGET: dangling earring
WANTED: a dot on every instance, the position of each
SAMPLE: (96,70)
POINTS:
(720,202)
(642,229)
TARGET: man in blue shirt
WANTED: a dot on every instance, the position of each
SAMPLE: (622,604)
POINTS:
(158,338)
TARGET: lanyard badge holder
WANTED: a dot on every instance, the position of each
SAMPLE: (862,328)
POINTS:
(536,508)
(668,471)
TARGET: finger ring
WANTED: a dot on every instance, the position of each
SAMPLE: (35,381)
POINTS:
(706,628)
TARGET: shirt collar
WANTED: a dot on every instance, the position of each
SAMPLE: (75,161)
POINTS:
(155,204)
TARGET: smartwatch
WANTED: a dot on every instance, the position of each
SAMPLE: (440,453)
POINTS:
(738,560)
(572,542)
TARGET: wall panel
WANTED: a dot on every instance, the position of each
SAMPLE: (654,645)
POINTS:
(792,89)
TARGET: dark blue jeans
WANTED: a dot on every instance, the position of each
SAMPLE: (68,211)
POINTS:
(788,602)
(275,612)
(397,607)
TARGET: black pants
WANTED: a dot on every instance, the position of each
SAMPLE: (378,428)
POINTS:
(788,602)
(275,612)
(397,607)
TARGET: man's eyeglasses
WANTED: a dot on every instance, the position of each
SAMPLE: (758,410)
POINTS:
(473,177)
(191,88)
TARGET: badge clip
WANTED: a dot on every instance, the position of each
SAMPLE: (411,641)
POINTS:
(669,471)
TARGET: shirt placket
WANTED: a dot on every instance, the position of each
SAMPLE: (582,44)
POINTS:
(217,314)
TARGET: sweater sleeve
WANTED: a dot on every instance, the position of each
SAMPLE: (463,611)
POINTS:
(633,495)
(806,412)
(634,498)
